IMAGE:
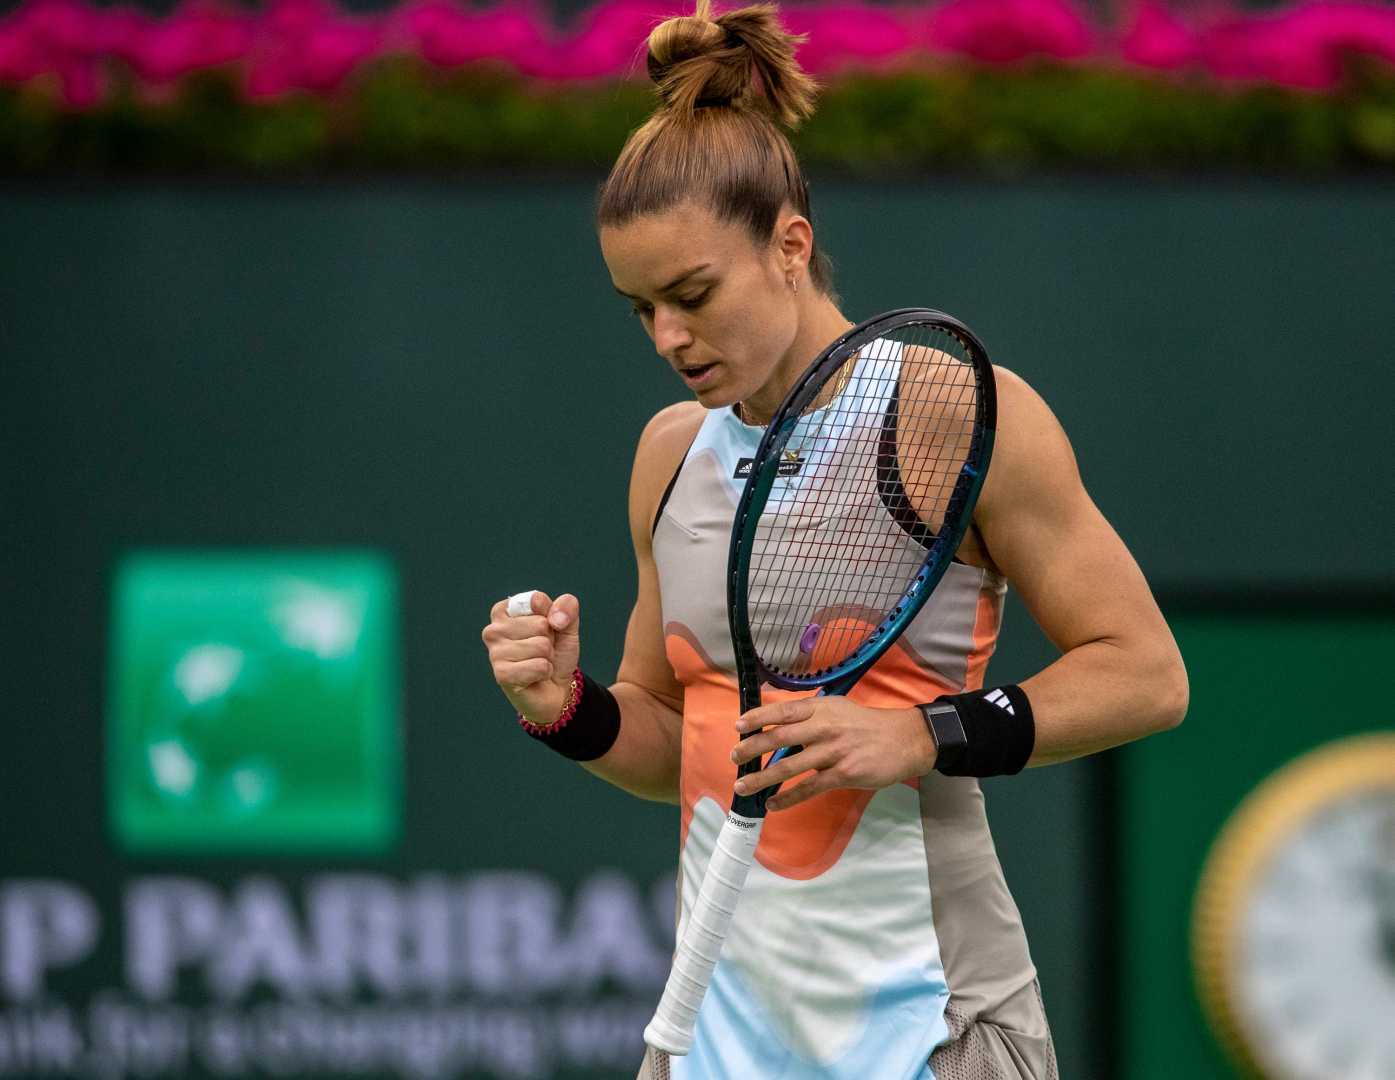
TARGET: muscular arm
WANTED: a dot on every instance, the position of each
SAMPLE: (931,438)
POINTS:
(1120,676)
(645,757)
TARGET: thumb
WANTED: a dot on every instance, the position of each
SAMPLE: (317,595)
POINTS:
(565,620)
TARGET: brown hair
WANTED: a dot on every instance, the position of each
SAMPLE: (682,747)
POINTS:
(723,84)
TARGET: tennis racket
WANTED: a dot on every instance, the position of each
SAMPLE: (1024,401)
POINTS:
(859,494)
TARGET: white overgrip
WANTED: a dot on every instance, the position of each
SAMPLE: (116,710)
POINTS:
(672,1027)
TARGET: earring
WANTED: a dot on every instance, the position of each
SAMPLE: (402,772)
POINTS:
(794,284)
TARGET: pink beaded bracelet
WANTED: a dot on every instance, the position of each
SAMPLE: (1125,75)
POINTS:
(568,710)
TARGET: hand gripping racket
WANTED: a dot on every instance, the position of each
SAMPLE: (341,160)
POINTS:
(859,494)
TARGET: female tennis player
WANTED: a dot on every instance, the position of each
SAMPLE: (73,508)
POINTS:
(876,936)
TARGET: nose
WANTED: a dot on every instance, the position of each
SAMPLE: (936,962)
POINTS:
(671,334)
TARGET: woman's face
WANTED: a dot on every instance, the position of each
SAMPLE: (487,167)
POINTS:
(716,305)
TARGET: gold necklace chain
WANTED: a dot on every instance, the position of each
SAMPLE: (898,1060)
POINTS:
(841,384)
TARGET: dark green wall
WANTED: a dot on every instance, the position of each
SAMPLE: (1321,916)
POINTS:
(441,372)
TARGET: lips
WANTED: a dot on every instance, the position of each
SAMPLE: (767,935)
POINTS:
(697,373)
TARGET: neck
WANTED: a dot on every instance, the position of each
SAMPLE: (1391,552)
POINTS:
(819,326)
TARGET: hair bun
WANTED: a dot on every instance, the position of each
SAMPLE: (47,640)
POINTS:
(685,37)
(698,61)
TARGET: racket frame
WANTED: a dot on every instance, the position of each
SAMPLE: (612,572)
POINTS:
(841,677)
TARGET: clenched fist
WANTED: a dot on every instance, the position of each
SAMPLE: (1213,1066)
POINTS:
(534,655)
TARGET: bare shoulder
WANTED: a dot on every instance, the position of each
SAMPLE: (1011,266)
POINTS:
(1032,457)
(924,363)
(1019,404)
(934,369)
(662,444)
(935,386)
(670,425)
(666,438)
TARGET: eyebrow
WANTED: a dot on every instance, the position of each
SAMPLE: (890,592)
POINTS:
(684,276)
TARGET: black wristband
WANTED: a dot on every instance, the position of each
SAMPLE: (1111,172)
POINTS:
(591,729)
(999,732)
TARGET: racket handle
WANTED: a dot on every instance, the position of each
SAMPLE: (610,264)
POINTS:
(672,1027)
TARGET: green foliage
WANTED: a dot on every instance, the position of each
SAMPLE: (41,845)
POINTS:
(402,115)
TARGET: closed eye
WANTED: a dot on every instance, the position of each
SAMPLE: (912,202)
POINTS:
(687,303)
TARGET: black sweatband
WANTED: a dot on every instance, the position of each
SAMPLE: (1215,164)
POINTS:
(999,733)
(591,729)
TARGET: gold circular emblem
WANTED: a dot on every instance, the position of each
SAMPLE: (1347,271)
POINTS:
(1293,927)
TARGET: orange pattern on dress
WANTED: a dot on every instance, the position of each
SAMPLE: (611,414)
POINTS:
(804,841)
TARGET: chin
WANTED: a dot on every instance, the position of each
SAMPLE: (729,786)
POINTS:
(716,397)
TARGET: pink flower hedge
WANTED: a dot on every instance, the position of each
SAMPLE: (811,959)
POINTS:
(310,45)
(1304,47)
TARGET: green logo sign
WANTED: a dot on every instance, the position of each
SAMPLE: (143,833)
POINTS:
(253,702)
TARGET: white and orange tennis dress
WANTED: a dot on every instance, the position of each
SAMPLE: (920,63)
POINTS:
(876,938)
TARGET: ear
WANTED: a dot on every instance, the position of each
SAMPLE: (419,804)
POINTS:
(794,243)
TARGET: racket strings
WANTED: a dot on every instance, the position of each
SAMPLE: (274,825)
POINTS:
(871,483)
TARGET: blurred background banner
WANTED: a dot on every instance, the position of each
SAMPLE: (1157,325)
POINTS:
(253,703)
(308,357)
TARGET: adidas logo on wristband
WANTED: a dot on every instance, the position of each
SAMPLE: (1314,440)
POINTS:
(1000,699)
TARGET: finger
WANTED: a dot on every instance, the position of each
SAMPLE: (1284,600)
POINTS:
(533,648)
(564,614)
(782,712)
(521,674)
(516,628)
(539,602)
(786,769)
(816,784)
(520,604)
(762,743)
